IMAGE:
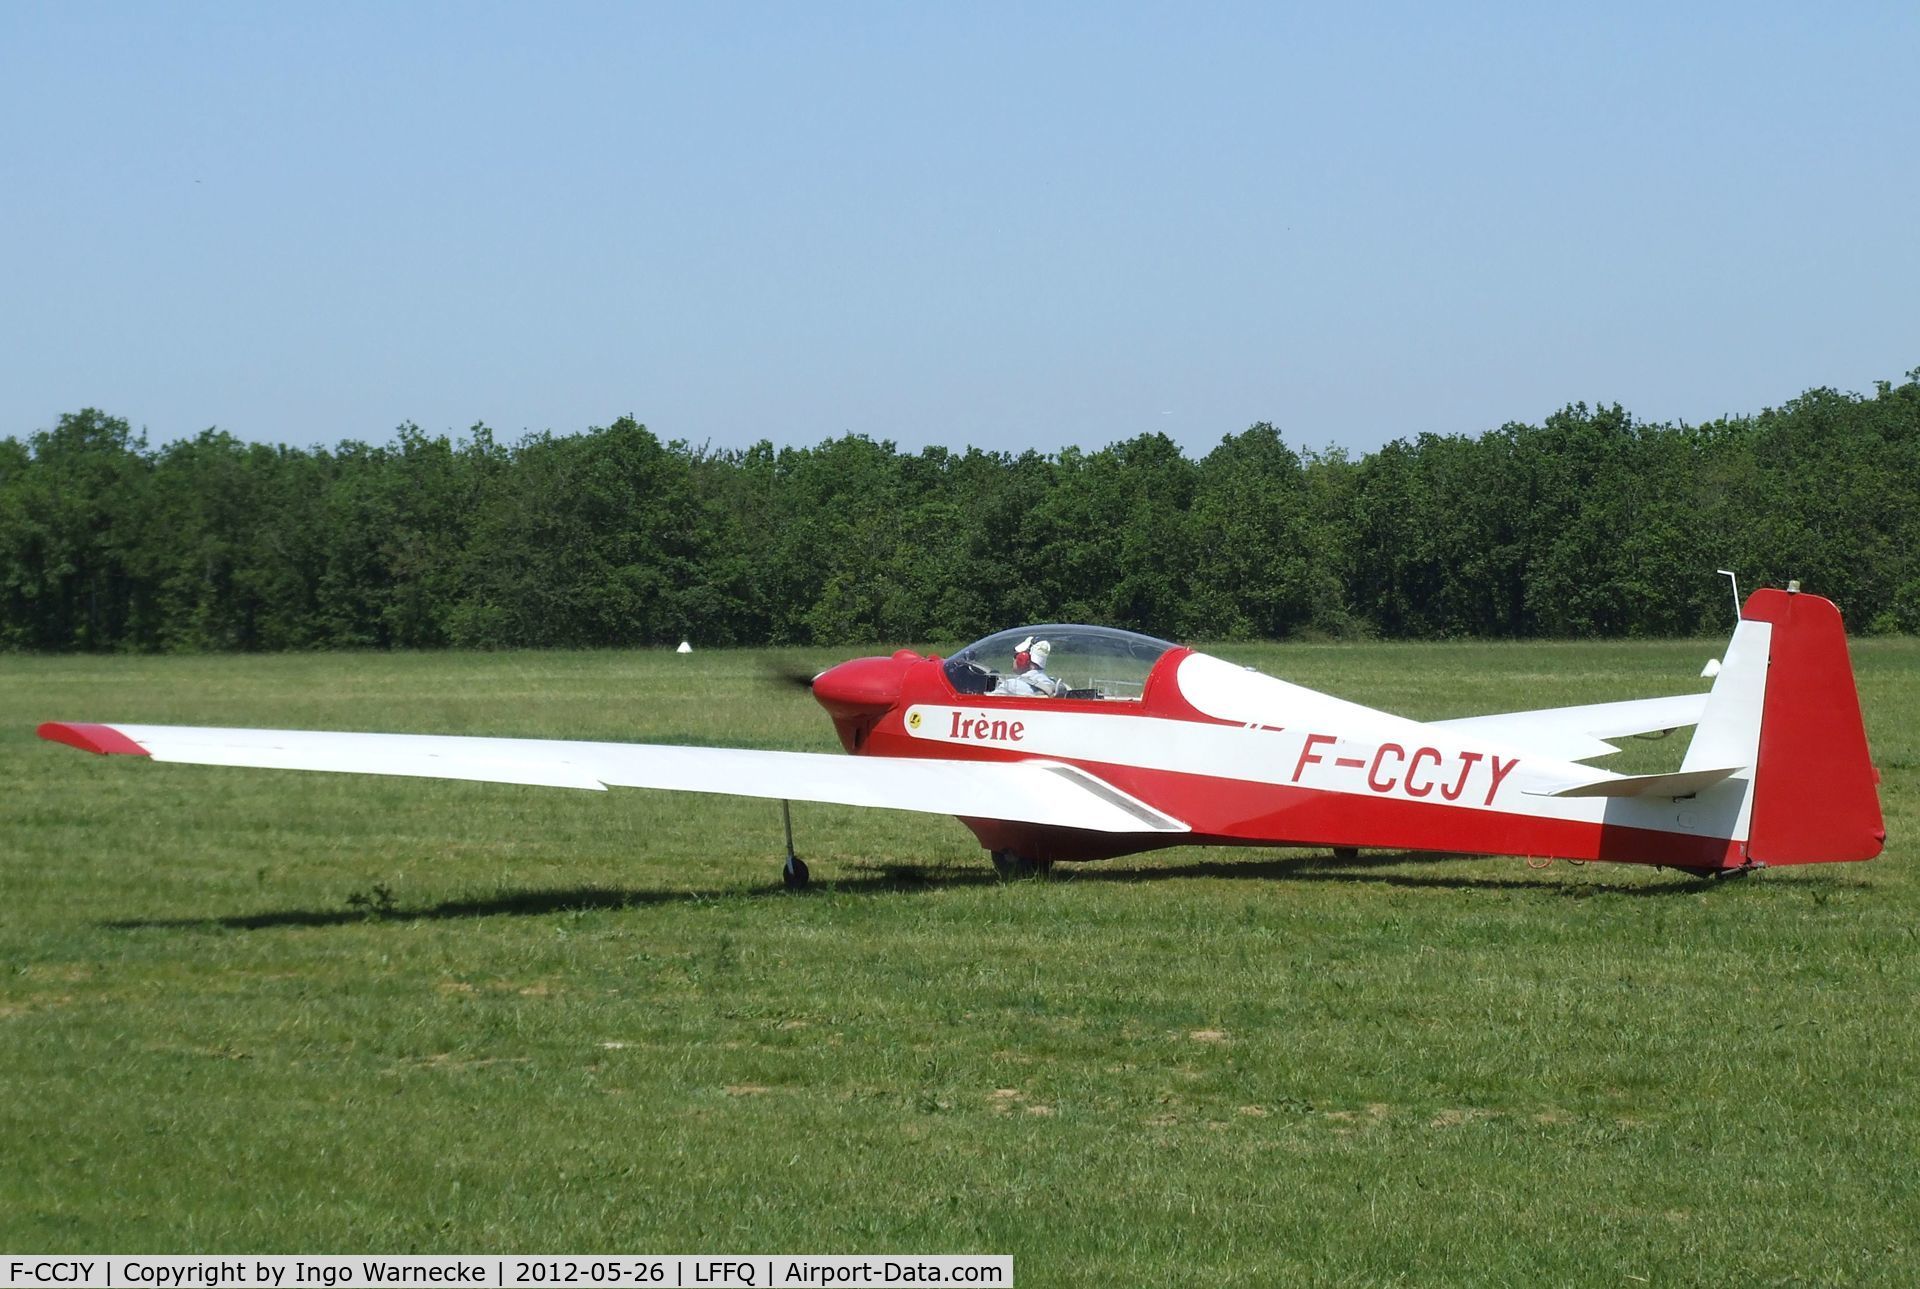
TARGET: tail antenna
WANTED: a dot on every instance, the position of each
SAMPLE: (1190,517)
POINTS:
(1733,577)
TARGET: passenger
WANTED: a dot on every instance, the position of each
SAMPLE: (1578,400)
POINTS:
(1030,678)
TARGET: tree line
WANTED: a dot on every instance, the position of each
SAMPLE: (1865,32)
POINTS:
(1589,524)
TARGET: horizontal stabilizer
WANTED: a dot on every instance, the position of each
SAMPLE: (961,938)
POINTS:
(1577,733)
(1038,792)
(1683,783)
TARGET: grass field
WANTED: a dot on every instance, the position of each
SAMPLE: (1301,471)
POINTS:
(254,1011)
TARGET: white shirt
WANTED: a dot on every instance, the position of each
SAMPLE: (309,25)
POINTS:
(1031,683)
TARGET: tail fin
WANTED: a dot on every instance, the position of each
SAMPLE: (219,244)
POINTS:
(1784,704)
(1816,794)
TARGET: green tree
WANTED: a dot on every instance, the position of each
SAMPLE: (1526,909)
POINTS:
(73,518)
(1256,567)
(590,540)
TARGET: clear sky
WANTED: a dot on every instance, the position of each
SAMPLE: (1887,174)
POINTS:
(1002,225)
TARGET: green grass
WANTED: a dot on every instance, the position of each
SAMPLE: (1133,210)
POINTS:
(251,1011)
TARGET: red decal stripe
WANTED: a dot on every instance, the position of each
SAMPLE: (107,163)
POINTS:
(103,739)
(1235,812)
(1239,812)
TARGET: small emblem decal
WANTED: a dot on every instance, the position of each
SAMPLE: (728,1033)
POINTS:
(913,721)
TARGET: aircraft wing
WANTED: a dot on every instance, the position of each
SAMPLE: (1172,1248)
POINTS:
(1577,733)
(1039,792)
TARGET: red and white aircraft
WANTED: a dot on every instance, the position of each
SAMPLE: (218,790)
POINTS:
(1133,743)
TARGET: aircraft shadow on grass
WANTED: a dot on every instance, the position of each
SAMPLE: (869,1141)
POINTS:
(909,880)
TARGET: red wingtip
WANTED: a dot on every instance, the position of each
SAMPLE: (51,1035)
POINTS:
(103,739)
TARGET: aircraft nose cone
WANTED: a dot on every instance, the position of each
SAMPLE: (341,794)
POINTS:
(863,686)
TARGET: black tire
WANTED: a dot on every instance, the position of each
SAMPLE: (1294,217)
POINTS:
(1346,854)
(1013,868)
(794,873)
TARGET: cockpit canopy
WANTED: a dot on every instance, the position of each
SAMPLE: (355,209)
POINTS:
(1094,662)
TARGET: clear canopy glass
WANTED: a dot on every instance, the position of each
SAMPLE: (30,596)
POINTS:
(1091,662)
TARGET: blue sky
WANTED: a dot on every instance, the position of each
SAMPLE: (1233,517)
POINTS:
(1010,226)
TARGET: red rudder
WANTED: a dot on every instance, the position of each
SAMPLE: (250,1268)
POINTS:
(1815,798)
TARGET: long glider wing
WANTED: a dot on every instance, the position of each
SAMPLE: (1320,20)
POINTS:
(1039,792)
(1577,733)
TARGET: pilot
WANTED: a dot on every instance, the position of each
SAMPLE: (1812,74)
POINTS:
(1030,678)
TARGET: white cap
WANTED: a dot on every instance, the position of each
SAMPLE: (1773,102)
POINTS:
(1040,652)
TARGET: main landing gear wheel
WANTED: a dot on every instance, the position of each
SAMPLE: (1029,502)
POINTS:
(1012,867)
(1717,874)
(1346,853)
(794,872)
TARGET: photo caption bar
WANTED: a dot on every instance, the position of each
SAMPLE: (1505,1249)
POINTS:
(514,1271)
